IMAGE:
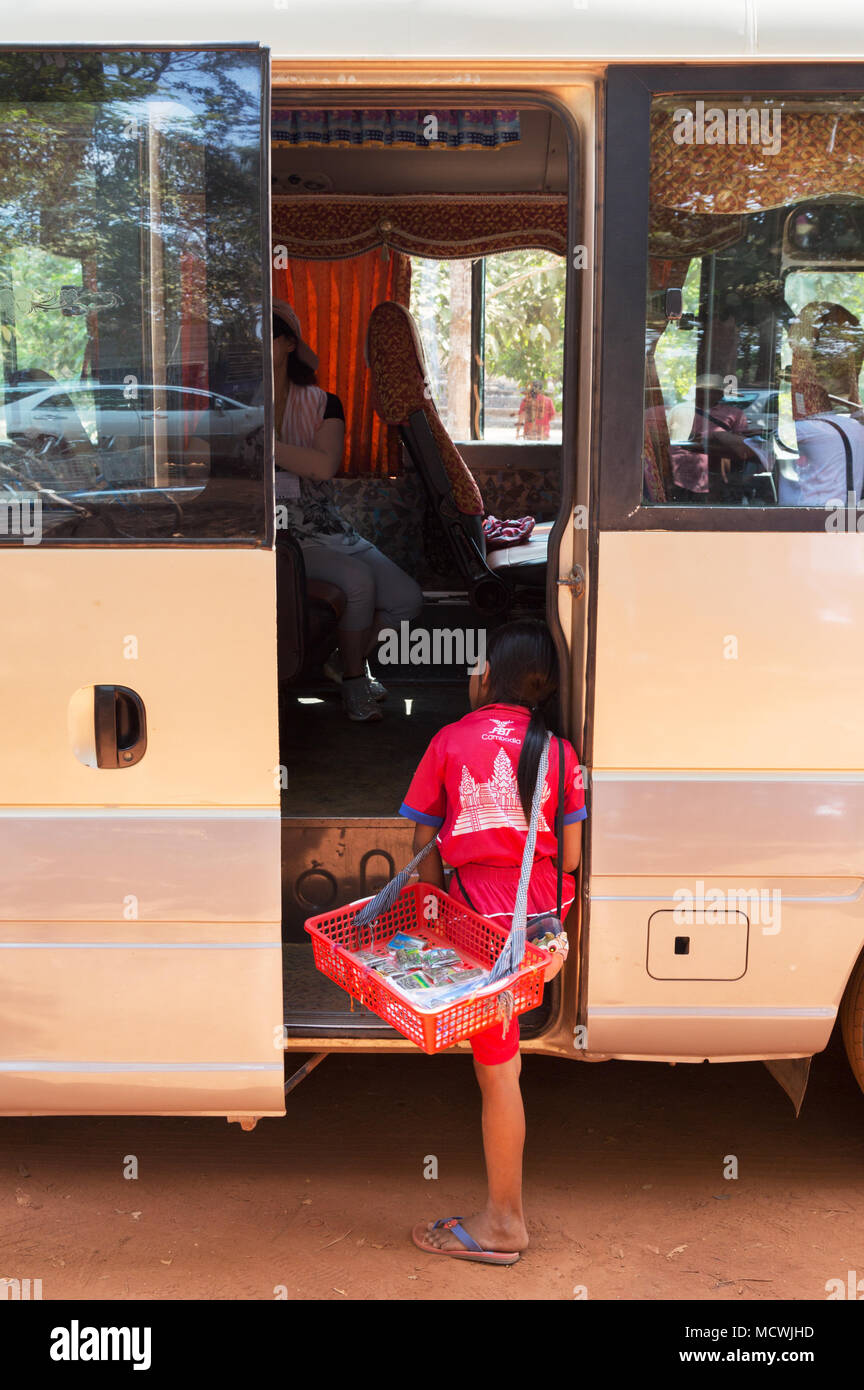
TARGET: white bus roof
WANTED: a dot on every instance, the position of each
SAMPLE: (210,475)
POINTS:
(594,30)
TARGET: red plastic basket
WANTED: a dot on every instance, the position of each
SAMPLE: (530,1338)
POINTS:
(449,923)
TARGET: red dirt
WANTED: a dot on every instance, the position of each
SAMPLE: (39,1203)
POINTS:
(624,1184)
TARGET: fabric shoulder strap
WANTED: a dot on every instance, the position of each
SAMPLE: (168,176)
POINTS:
(847,449)
(513,950)
(559,829)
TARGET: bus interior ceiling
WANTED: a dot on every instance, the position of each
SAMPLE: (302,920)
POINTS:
(342,835)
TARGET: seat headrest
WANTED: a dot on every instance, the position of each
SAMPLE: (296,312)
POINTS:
(394,356)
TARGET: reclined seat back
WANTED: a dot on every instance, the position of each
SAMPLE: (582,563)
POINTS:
(394,355)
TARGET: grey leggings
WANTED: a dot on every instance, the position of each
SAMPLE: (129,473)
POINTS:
(370,582)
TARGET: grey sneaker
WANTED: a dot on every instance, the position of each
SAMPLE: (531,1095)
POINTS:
(333,671)
(376,689)
(358,703)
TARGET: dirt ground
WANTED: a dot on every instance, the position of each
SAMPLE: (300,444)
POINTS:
(626,1196)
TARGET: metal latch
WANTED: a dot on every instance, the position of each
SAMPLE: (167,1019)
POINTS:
(574,581)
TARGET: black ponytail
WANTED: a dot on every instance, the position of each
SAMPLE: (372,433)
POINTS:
(523,670)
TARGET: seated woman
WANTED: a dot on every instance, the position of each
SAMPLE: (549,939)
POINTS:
(310,438)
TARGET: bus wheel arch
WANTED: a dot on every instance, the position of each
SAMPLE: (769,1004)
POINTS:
(852,1020)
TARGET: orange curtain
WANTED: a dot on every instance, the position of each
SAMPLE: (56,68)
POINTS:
(333,301)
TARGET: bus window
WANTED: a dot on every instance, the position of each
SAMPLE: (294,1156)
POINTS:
(493,336)
(759,220)
(130,295)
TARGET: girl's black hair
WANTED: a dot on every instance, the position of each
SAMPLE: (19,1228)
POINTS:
(523,670)
(295,370)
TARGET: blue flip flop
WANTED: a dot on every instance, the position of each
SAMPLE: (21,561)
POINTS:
(472,1250)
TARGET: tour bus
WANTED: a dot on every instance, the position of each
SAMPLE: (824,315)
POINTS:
(598,267)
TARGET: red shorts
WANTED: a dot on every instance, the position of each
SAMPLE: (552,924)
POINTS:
(491,1049)
(492,890)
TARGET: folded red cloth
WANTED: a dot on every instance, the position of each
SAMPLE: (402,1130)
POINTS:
(502,533)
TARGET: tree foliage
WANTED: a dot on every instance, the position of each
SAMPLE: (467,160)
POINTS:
(523,321)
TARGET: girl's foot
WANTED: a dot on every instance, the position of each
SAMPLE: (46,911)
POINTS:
(376,689)
(357,702)
(490,1233)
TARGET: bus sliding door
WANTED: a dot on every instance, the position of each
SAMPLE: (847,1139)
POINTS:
(139,822)
(728,743)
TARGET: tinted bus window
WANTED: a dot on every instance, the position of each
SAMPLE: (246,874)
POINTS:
(131,287)
(755,314)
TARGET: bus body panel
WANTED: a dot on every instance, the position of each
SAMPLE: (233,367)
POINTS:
(728,760)
(140,923)
(721,802)
(141,919)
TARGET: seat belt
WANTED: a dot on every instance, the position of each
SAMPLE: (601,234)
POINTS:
(847,449)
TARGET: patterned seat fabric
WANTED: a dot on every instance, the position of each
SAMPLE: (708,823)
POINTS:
(394,355)
(827,346)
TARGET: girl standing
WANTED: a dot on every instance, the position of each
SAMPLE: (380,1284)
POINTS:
(472,793)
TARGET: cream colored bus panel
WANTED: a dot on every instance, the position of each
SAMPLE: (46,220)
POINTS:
(140,922)
(726,728)
(193,632)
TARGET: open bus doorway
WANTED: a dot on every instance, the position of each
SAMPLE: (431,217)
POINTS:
(454,224)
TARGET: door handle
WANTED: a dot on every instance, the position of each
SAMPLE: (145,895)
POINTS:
(120,726)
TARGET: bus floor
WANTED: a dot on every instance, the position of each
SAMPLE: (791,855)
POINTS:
(314,1006)
(313,1003)
(336,767)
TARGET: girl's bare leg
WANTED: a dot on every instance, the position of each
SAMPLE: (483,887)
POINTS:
(501,1225)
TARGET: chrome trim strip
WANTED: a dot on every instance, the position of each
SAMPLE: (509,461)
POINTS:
(134,813)
(705,906)
(680,1011)
(140,1066)
(140,945)
(733,775)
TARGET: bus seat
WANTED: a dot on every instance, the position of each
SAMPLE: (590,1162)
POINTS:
(809,395)
(529,557)
(394,355)
(309,613)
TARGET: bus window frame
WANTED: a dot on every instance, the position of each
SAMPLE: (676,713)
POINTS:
(266,538)
(617,470)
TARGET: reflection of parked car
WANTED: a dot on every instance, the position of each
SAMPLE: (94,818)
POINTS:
(90,415)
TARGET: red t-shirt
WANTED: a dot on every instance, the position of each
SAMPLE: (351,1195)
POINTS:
(466,785)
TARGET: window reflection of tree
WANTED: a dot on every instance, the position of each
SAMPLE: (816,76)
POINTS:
(74,183)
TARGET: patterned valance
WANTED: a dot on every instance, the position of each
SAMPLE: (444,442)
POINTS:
(440,226)
(678,235)
(722,157)
(452,130)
